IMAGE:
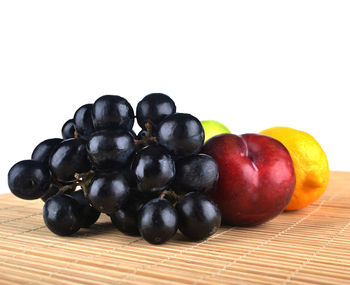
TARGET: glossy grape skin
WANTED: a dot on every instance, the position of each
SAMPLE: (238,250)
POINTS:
(68,129)
(181,134)
(70,157)
(29,179)
(88,215)
(133,134)
(108,192)
(153,108)
(146,196)
(195,173)
(125,219)
(112,112)
(110,149)
(153,169)
(61,215)
(199,217)
(158,221)
(83,121)
(44,149)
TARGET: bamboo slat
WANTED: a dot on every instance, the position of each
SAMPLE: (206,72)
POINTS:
(309,246)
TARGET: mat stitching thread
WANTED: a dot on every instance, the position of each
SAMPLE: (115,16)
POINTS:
(35,247)
(169,257)
(29,204)
(85,257)
(310,257)
(28,249)
(53,245)
(11,207)
(21,218)
(266,241)
(23,232)
(203,277)
(23,251)
(257,247)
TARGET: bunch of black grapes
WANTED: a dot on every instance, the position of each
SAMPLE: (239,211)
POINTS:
(150,184)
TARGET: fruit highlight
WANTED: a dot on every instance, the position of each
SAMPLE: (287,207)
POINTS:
(165,179)
(256,177)
(310,163)
(101,166)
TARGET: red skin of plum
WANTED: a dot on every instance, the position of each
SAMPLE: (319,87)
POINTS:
(256,177)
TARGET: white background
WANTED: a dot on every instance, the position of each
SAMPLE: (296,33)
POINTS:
(249,64)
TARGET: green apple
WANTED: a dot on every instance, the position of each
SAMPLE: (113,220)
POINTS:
(213,128)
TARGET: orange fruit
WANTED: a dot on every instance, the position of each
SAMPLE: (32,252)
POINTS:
(310,165)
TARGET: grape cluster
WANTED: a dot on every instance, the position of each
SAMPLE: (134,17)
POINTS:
(152,183)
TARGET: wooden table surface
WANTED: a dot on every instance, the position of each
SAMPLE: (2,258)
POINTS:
(309,246)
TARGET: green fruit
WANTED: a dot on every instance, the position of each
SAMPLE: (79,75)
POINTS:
(213,128)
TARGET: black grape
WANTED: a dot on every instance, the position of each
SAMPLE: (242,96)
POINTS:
(181,134)
(68,129)
(153,108)
(199,217)
(83,121)
(88,215)
(133,134)
(112,112)
(145,196)
(125,219)
(29,179)
(108,192)
(61,215)
(158,221)
(70,157)
(153,169)
(109,149)
(134,179)
(52,190)
(195,173)
(43,150)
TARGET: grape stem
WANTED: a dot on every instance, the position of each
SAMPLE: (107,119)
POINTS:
(84,175)
(148,126)
(171,194)
(148,139)
(83,187)
(84,180)
(65,188)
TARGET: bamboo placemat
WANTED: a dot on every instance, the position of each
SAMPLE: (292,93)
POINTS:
(310,246)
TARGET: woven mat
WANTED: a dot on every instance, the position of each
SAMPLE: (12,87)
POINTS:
(310,246)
